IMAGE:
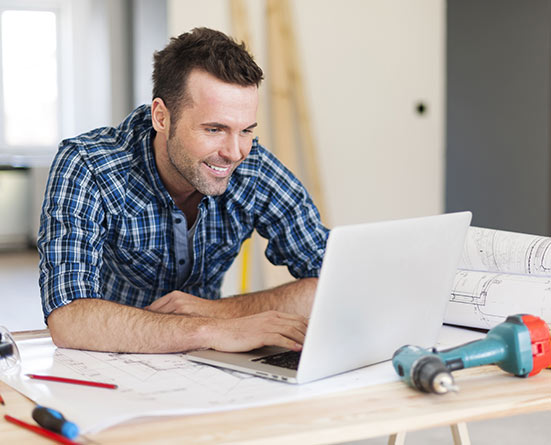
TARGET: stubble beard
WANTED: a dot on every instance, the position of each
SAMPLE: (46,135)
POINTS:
(191,170)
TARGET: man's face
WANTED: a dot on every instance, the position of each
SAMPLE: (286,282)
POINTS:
(214,132)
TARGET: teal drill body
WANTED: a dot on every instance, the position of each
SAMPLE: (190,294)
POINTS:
(508,345)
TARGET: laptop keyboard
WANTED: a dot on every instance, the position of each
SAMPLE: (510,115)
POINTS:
(287,359)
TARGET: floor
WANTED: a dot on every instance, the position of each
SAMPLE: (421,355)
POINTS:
(19,292)
(21,310)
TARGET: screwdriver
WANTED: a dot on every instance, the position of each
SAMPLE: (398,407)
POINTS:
(54,421)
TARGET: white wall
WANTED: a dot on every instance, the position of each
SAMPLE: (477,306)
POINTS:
(366,64)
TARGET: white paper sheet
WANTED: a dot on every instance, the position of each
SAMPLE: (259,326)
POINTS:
(167,384)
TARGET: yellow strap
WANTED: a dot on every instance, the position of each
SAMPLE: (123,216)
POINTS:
(245,255)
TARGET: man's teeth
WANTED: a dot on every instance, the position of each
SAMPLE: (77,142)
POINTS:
(218,169)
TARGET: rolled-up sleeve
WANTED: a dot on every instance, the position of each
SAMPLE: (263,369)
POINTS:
(288,218)
(70,239)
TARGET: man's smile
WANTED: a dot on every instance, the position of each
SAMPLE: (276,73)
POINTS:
(218,170)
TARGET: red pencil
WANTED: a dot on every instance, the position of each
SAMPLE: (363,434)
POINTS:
(51,378)
(2,400)
(39,430)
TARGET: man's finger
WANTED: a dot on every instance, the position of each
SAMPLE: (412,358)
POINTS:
(290,325)
(159,303)
(287,316)
(282,341)
(294,334)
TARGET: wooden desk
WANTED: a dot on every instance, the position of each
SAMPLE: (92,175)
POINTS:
(485,392)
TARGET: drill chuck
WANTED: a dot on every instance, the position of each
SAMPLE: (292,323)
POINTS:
(430,374)
(423,369)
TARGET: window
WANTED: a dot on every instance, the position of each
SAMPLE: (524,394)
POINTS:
(31,94)
(59,62)
(29,78)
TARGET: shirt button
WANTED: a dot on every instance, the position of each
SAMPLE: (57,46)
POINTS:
(182,262)
(178,220)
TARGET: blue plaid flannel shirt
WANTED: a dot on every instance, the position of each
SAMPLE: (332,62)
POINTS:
(106,227)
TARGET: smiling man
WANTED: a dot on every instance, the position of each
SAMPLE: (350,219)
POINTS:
(140,222)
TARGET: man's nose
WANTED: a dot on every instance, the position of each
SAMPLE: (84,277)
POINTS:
(232,149)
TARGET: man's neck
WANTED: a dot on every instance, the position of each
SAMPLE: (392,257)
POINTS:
(189,205)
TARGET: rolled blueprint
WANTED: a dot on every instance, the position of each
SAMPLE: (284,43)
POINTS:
(501,274)
(499,251)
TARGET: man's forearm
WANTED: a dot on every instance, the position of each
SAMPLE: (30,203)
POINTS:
(101,325)
(296,297)
(292,298)
(106,326)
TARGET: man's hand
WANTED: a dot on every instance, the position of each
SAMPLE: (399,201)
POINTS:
(292,298)
(274,317)
(177,302)
(254,331)
(269,328)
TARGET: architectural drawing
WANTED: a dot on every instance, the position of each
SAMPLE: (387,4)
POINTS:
(158,384)
(499,251)
(168,384)
(156,377)
(501,274)
(485,299)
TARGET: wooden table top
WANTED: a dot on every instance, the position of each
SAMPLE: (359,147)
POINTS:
(485,392)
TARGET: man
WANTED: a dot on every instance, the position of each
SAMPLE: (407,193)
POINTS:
(140,222)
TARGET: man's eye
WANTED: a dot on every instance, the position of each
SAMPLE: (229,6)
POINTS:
(213,130)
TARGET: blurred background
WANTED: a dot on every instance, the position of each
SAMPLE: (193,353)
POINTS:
(412,108)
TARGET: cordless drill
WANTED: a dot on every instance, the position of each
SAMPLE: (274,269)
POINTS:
(521,345)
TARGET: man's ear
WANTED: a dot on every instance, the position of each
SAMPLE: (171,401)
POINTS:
(160,116)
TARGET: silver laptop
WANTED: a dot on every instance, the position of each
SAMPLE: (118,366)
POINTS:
(382,285)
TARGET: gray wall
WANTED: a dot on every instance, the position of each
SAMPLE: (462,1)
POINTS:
(498,113)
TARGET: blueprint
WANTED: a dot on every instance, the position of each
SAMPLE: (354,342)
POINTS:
(501,274)
(499,251)
(484,299)
(156,385)
(167,384)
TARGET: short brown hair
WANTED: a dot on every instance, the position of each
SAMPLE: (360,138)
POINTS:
(205,49)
